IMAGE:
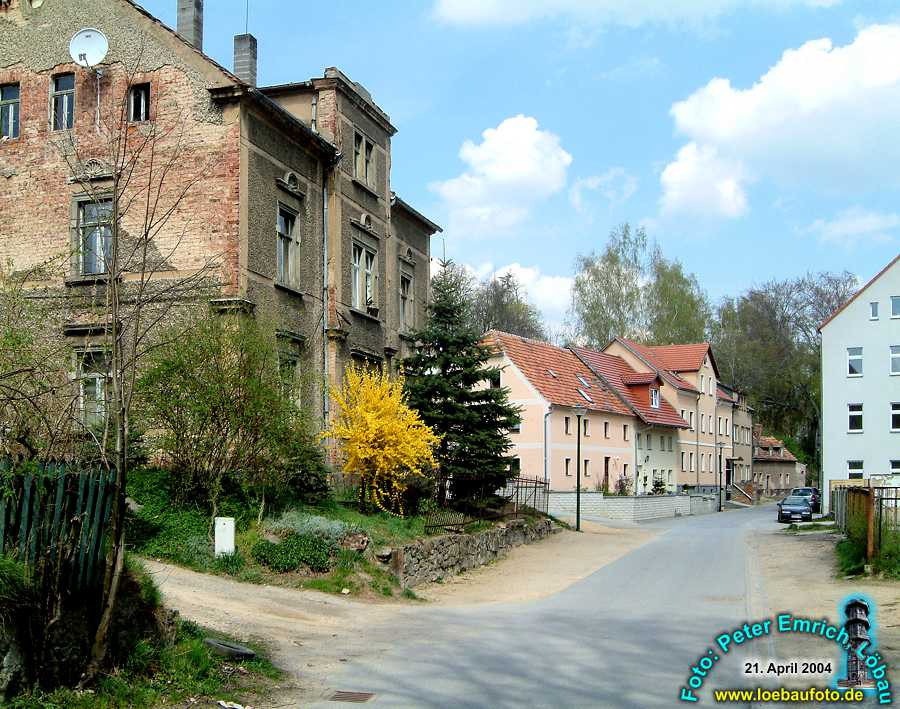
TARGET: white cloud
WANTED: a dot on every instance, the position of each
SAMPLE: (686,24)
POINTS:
(822,117)
(854,225)
(550,294)
(515,165)
(628,13)
(615,185)
(700,182)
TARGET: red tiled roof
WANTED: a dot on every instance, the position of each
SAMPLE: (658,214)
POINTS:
(555,371)
(724,395)
(664,372)
(858,293)
(761,448)
(625,381)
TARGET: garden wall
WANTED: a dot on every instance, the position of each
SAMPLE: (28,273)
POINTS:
(631,509)
(438,557)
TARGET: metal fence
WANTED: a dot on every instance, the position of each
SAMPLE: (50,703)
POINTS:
(54,519)
(867,513)
(518,497)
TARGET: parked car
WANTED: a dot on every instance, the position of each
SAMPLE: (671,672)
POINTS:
(810,492)
(795,508)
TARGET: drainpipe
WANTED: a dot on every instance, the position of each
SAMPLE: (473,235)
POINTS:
(697,439)
(546,446)
(325,394)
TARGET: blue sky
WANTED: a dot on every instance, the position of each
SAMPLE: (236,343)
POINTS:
(754,139)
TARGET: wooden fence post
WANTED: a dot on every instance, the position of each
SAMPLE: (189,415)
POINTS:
(870,525)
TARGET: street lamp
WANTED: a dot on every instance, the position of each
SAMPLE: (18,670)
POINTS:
(579,412)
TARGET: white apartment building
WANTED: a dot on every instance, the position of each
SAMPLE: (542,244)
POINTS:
(861,385)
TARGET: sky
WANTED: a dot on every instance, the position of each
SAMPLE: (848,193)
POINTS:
(753,139)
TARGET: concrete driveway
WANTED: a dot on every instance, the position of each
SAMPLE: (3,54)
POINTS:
(623,637)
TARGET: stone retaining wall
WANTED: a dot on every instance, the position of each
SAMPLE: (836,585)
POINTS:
(631,509)
(436,558)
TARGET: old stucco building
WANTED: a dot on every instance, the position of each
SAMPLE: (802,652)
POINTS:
(288,200)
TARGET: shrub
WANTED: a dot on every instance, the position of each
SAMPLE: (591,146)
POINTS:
(851,556)
(231,564)
(294,551)
(331,531)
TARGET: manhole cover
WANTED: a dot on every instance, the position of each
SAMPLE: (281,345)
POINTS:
(355,697)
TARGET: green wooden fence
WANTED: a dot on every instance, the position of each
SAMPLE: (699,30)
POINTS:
(54,519)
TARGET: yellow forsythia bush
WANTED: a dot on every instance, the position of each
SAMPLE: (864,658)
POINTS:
(383,441)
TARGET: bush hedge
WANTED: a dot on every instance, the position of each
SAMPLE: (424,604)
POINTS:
(294,551)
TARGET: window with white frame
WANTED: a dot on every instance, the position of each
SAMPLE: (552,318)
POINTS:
(654,398)
(363,276)
(407,310)
(854,469)
(895,359)
(139,103)
(702,423)
(855,418)
(703,382)
(640,441)
(93,372)
(895,467)
(567,423)
(286,224)
(649,442)
(585,425)
(606,429)
(895,306)
(670,444)
(9,111)
(895,416)
(662,443)
(873,310)
(684,414)
(691,419)
(94,236)
(62,102)
(692,462)
(568,467)
(854,361)
(683,456)
(587,468)
(625,431)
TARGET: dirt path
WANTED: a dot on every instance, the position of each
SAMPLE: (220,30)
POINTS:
(309,634)
(535,571)
(799,576)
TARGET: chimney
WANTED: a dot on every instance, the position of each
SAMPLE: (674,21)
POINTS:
(190,22)
(245,58)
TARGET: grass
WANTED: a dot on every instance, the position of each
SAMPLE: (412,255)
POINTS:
(812,527)
(157,676)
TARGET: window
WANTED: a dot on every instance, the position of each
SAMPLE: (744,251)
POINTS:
(654,398)
(702,382)
(606,429)
(854,469)
(649,442)
(702,462)
(873,311)
(94,236)
(691,420)
(684,414)
(139,103)
(285,256)
(314,113)
(9,111)
(363,275)
(587,468)
(662,443)
(585,424)
(625,431)
(670,444)
(895,306)
(702,423)
(895,359)
(363,168)
(62,102)
(640,440)
(895,416)
(568,467)
(895,467)
(568,425)
(407,312)
(584,381)
(854,361)
(92,376)
(855,418)
(692,462)
(494,379)
(585,395)
(682,461)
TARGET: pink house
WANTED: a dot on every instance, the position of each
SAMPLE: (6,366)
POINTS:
(549,383)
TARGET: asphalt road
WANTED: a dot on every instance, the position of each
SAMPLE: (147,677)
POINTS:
(625,636)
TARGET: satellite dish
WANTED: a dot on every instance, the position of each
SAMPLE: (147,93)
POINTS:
(88,47)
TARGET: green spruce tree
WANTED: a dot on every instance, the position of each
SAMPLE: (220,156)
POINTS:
(449,382)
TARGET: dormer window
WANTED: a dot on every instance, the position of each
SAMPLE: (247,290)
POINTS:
(583,381)
(585,396)
(654,398)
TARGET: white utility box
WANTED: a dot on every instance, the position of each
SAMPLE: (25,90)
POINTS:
(224,536)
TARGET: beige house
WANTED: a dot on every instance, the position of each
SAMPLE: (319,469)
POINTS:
(550,384)
(775,469)
(706,452)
